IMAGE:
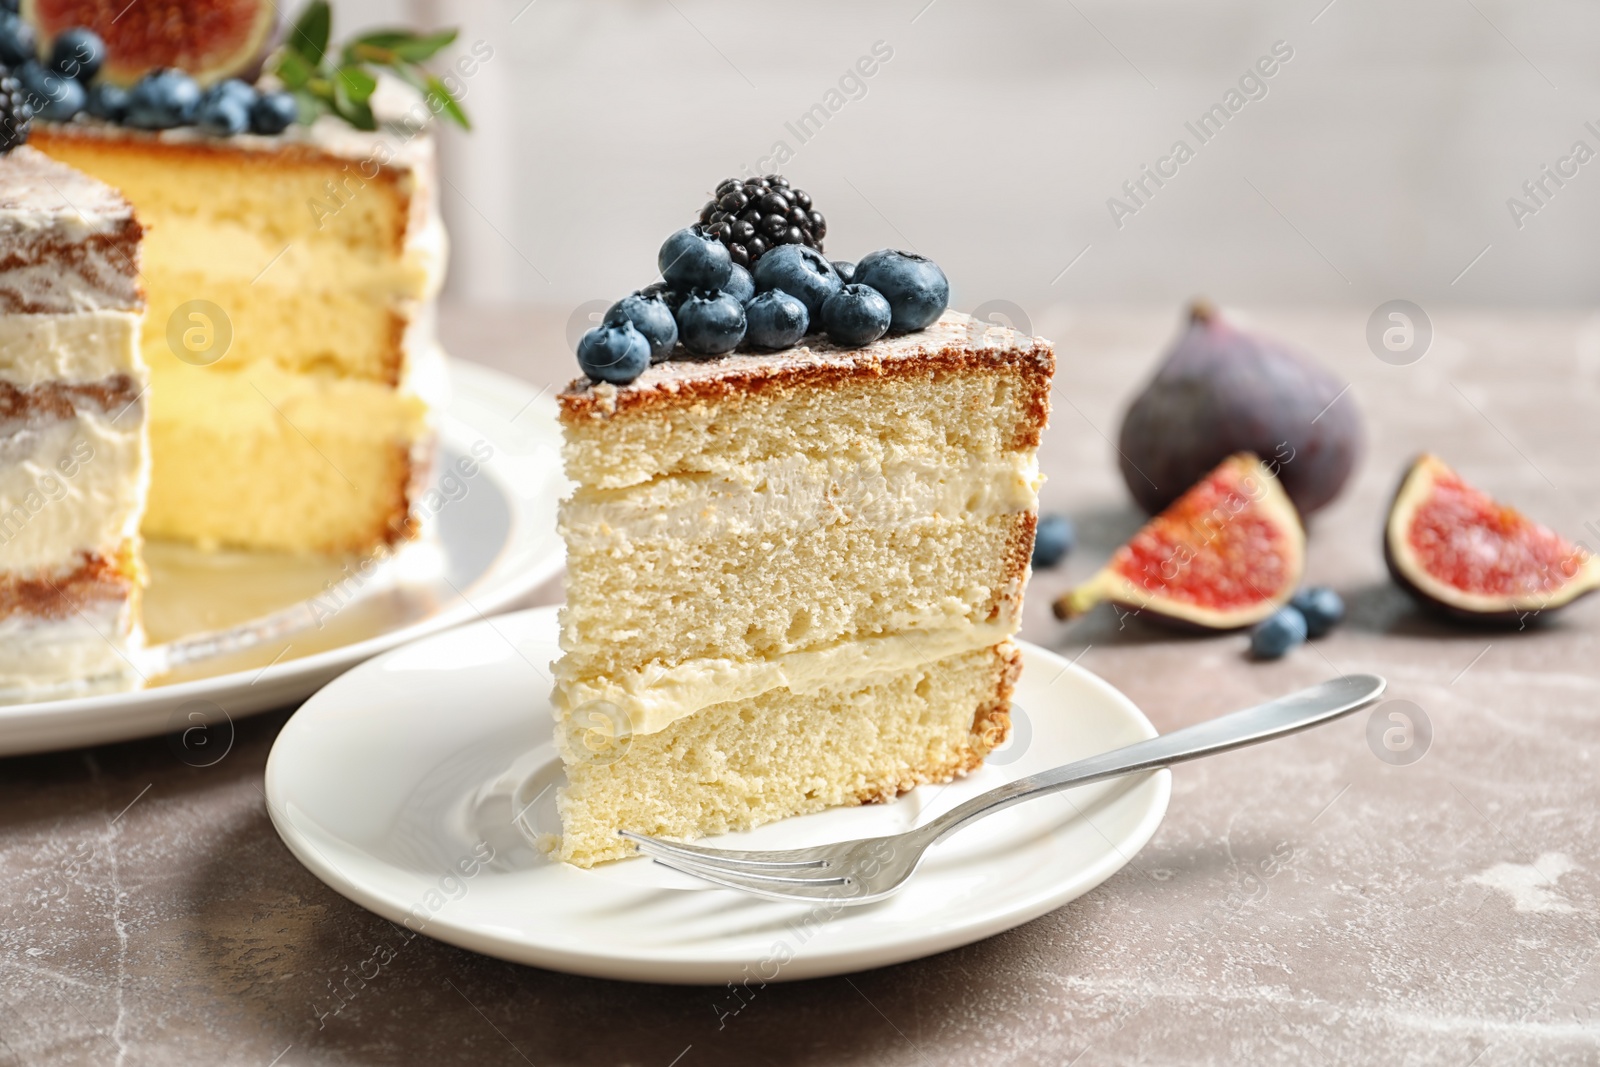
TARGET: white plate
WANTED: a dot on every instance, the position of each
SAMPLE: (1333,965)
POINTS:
(492,539)
(400,785)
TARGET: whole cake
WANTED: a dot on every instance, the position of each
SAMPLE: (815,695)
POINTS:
(792,574)
(287,360)
(73,458)
(294,251)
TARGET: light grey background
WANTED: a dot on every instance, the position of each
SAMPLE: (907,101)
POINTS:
(1378,165)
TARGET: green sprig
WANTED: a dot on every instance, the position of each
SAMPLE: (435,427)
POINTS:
(342,82)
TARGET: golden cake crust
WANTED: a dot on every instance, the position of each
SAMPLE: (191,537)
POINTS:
(957,343)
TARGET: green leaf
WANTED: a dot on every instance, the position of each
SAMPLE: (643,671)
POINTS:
(292,69)
(311,106)
(311,31)
(356,52)
(447,101)
(403,43)
(355,113)
(350,105)
(384,38)
(418,49)
(357,83)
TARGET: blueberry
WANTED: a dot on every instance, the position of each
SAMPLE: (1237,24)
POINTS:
(163,99)
(740,285)
(19,44)
(52,97)
(856,315)
(273,113)
(1277,634)
(651,316)
(845,269)
(710,323)
(693,259)
(1322,608)
(801,272)
(223,115)
(615,353)
(662,291)
(108,101)
(225,108)
(241,91)
(1054,538)
(777,320)
(915,287)
(78,53)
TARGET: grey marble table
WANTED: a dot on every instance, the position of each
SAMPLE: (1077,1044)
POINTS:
(1303,903)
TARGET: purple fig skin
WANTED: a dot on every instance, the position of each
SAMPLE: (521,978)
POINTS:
(1221,391)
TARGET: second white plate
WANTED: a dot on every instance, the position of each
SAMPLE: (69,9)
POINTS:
(405,785)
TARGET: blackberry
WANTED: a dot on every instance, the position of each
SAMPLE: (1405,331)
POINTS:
(16,117)
(755,215)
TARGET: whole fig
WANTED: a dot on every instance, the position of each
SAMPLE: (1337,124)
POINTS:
(1222,390)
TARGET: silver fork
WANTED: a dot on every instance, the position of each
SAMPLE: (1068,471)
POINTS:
(860,872)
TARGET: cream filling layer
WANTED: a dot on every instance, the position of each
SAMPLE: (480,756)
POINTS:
(81,347)
(649,700)
(92,649)
(780,494)
(69,486)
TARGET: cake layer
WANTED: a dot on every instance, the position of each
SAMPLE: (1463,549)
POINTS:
(314,306)
(319,248)
(792,492)
(87,580)
(739,764)
(653,698)
(67,242)
(289,462)
(929,392)
(66,349)
(72,479)
(62,657)
(744,763)
(634,612)
(72,625)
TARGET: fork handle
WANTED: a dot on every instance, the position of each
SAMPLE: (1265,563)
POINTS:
(1285,715)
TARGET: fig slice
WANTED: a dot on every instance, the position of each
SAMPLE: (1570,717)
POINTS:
(1224,555)
(1460,553)
(209,39)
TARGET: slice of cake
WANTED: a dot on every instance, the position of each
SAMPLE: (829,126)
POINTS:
(289,333)
(792,577)
(73,457)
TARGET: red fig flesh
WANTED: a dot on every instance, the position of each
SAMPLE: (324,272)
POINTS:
(1462,554)
(210,39)
(1223,390)
(1225,554)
